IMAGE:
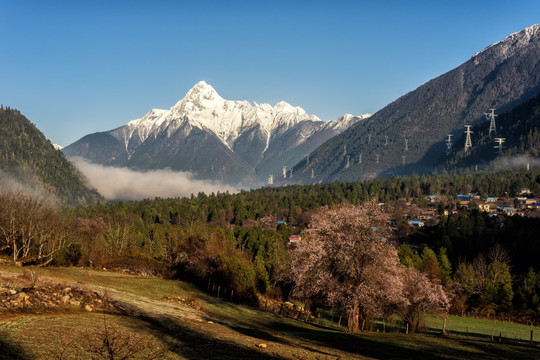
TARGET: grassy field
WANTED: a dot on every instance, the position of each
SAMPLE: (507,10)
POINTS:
(203,327)
(484,328)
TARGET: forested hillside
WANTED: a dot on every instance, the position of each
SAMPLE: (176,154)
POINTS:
(520,129)
(29,160)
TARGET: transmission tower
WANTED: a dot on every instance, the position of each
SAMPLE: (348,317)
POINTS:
(271,180)
(468,142)
(499,145)
(284,172)
(344,150)
(403,159)
(290,173)
(406,144)
(377,157)
(348,164)
(360,158)
(449,143)
(491,117)
(312,173)
(386,140)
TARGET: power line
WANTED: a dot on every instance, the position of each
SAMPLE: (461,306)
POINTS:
(468,142)
(499,145)
(491,116)
(449,143)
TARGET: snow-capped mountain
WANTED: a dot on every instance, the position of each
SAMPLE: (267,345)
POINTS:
(231,141)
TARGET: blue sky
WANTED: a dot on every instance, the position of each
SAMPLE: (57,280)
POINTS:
(77,67)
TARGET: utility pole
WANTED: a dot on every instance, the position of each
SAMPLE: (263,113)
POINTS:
(491,117)
(499,141)
(468,142)
(449,143)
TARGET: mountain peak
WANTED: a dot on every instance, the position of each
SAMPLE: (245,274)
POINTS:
(508,46)
(202,91)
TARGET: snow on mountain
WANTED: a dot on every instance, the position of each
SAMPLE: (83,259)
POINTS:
(214,138)
(143,127)
(513,42)
(345,121)
(204,108)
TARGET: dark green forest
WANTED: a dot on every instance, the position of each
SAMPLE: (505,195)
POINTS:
(29,159)
(234,241)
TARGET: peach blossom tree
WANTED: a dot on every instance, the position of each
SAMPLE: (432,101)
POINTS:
(345,260)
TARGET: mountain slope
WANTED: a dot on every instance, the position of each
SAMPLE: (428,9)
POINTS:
(520,131)
(501,76)
(28,159)
(231,141)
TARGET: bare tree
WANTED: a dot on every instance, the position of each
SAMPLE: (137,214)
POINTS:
(112,344)
(30,230)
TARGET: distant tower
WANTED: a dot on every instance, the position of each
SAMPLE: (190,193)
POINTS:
(468,142)
(499,142)
(449,143)
(307,159)
(403,160)
(369,138)
(271,180)
(290,173)
(348,164)
(377,157)
(386,140)
(312,173)
(284,172)
(344,150)
(406,144)
(491,117)
(360,158)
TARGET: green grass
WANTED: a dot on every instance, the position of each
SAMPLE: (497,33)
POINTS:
(221,330)
(484,328)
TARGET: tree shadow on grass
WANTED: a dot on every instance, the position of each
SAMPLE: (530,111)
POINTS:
(193,342)
(383,346)
(9,351)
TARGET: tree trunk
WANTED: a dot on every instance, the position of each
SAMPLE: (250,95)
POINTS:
(352,323)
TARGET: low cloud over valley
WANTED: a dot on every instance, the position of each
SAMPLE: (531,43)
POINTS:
(120,183)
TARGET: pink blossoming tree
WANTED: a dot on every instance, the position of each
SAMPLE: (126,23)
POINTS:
(346,261)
